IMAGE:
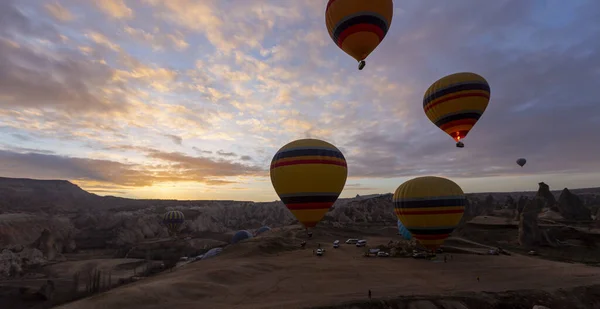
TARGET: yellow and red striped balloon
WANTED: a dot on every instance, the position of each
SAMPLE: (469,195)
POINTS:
(430,208)
(308,175)
(358,26)
(455,103)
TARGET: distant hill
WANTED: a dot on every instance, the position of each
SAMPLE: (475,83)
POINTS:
(30,195)
(33,195)
(50,196)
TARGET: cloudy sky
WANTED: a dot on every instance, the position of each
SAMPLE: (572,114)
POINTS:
(190,99)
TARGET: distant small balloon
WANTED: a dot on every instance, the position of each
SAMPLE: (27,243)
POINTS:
(173,220)
(521,161)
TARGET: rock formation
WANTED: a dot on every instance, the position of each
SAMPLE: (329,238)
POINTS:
(46,291)
(571,207)
(520,206)
(490,201)
(545,195)
(510,203)
(529,232)
(53,245)
(12,263)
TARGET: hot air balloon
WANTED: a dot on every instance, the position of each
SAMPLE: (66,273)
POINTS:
(240,235)
(358,26)
(430,208)
(173,220)
(262,230)
(403,231)
(211,253)
(455,103)
(521,161)
(308,175)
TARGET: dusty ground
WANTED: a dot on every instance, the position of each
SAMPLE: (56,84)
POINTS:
(245,276)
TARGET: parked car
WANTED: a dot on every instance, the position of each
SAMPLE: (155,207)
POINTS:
(320,252)
(336,244)
(351,241)
(419,255)
(382,254)
(361,243)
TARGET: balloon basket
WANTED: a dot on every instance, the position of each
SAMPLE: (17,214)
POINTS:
(460,145)
(361,65)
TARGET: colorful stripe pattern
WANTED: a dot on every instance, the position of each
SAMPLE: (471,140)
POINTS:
(430,208)
(455,103)
(308,175)
(173,220)
(403,231)
(358,26)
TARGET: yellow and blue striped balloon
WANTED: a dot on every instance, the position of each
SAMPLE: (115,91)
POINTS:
(454,103)
(308,175)
(430,208)
(173,220)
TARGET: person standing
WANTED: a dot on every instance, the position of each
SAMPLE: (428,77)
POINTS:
(369,293)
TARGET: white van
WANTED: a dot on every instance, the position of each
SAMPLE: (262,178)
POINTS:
(336,244)
(352,241)
(361,243)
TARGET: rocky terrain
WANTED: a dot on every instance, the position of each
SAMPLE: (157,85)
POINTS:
(45,222)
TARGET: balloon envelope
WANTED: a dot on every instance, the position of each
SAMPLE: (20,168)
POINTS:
(521,161)
(262,230)
(173,220)
(358,26)
(455,103)
(403,231)
(430,208)
(308,175)
(211,253)
(240,235)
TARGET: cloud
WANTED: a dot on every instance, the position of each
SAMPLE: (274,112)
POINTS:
(176,167)
(247,77)
(200,151)
(157,40)
(176,139)
(115,9)
(31,78)
(226,154)
(357,187)
(59,12)
(228,26)
(101,39)
(14,24)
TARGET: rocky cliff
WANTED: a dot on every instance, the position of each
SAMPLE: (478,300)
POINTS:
(75,219)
